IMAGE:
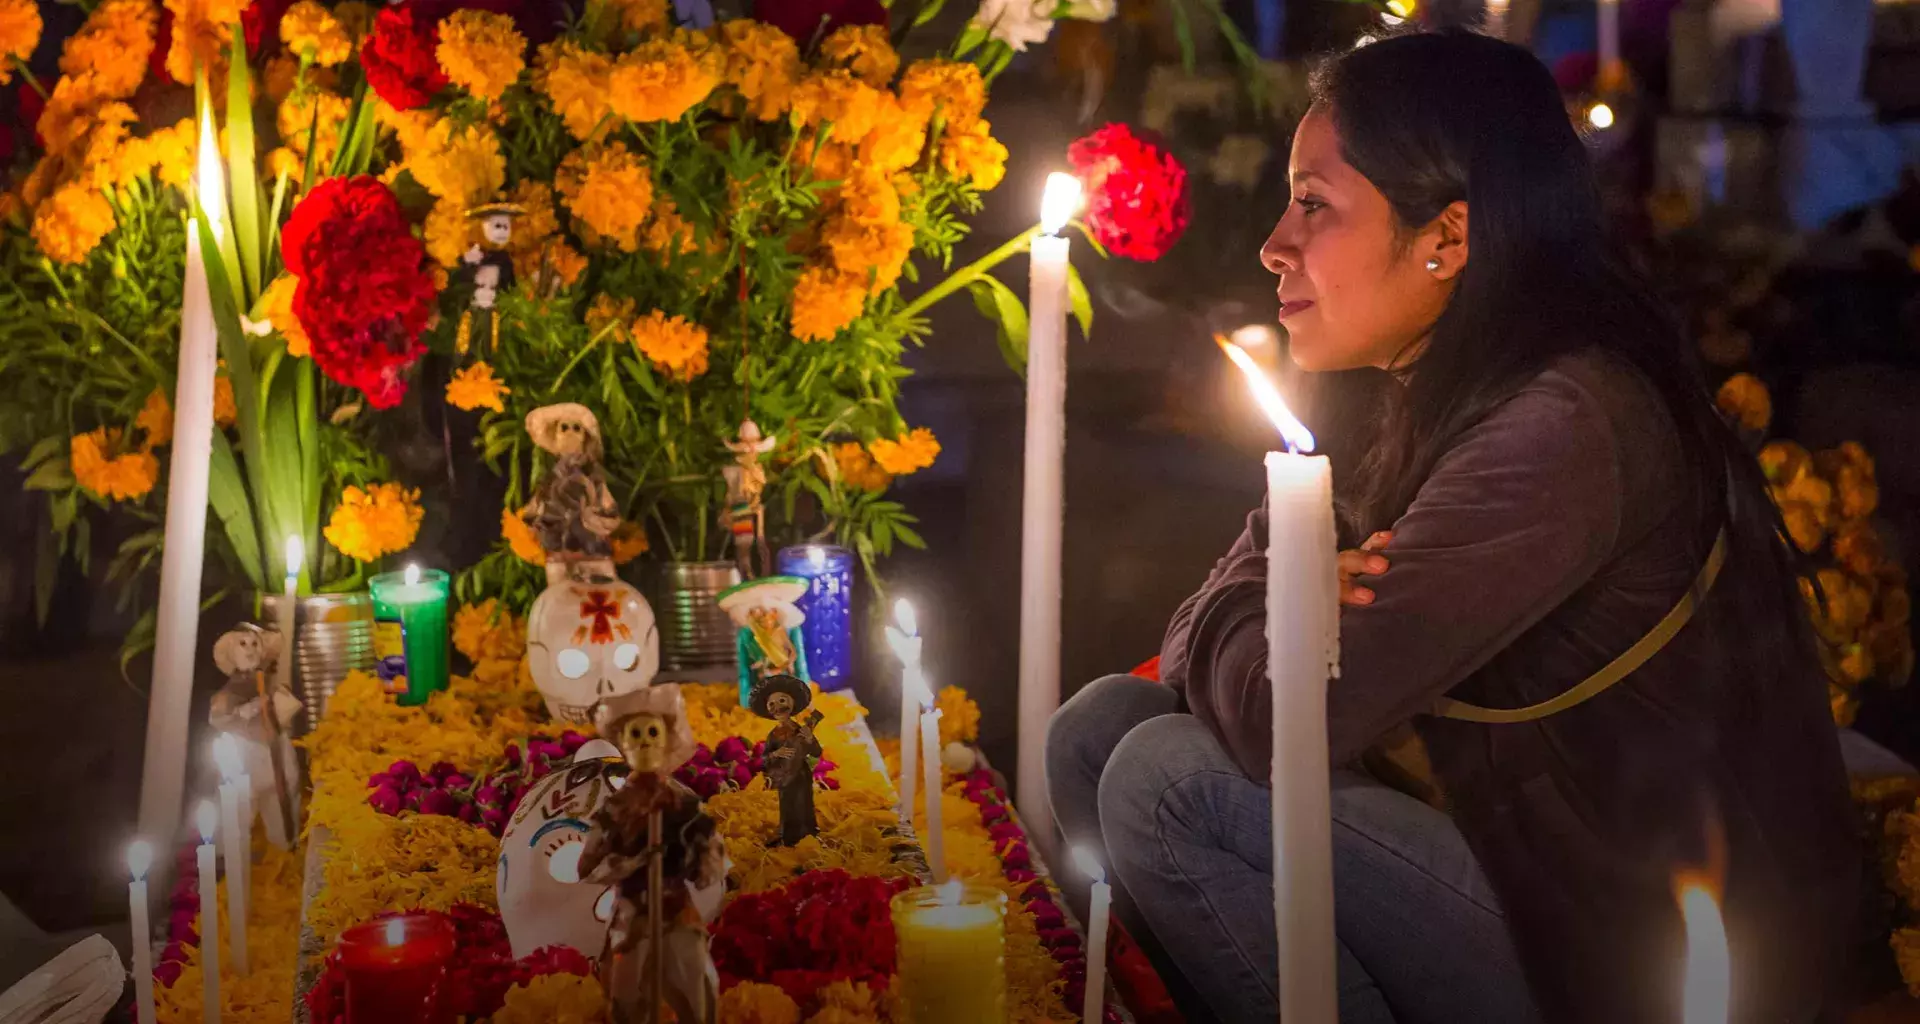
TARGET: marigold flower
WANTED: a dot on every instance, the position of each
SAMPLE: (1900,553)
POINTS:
(171,151)
(856,468)
(838,99)
(914,451)
(559,998)
(973,154)
(200,34)
(481,52)
(1781,461)
(155,420)
(474,386)
(897,139)
(959,716)
(355,18)
(667,231)
(629,542)
(488,632)
(71,223)
(762,64)
(864,50)
(675,346)
(312,33)
(609,191)
(1745,400)
(276,307)
(113,46)
(375,521)
(662,79)
(826,161)
(608,312)
(519,537)
(751,1002)
(556,257)
(448,232)
(951,89)
(105,471)
(19,34)
(640,15)
(311,117)
(577,83)
(825,301)
(225,412)
(459,163)
(869,250)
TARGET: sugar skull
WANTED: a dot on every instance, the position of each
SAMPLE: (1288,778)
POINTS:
(542,899)
(588,641)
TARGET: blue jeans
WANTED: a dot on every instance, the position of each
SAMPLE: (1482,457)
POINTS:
(1189,841)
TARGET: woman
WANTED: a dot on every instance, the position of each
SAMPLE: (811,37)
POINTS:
(1547,484)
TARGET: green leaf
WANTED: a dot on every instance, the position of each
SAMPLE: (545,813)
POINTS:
(970,40)
(243,180)
(46,573)
(227,498)
(1183,31)
(998,303)
(51,475)
(928,11)
(1080,302)
(43,449)
(139,640)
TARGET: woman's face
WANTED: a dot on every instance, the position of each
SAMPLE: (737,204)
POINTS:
(1354,287)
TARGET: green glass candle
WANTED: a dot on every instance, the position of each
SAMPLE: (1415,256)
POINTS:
(410,632)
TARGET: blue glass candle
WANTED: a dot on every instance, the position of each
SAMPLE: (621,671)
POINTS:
(828,604)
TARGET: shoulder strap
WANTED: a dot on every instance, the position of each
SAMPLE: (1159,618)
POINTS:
(1615,670)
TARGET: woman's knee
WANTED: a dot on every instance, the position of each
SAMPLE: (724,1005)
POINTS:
(1148,772)
(1087,727)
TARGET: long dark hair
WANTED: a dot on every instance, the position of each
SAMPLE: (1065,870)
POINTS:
(1436,118)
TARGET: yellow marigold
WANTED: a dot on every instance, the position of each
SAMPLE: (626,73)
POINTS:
(313,117)
(554,999)
(489,632)
(279,76)
(952,89)
(104,470)
(974,154)
(1745,399)
(448,231)
(474,386)
(538,220)
(355,18)
(826,161)
(837,98)
(556,257)
(871,251)
(609,190)
(276,307)
(72,222)
(825,301)
(610,314)
(667,230)
(459,163)
(115,165)
(639,15)
(916,450)
(312,33)
(225,412)
(857,468)
(897,139)
(519,536)
(662,79)
(675,346)
(481,52)
(854,998)
(412,128)
(763,64)
(19,34)
(576,82)
(864,50)
(155,419)
(751,1002)
(172,152)
(201,32)
(113,46)
(376,521)
(959,716)
(629,542)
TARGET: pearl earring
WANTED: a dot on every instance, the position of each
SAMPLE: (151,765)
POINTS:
(1433,265)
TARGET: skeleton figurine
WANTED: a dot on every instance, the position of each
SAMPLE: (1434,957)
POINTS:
(490,269)
(655,845)
(792,752)
(767,633)
(743,516)
(572,513)
(248,656)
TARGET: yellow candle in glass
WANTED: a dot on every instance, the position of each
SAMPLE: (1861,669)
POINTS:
(951,943)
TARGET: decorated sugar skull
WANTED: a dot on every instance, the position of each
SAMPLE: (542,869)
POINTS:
(588,641)
(542,899)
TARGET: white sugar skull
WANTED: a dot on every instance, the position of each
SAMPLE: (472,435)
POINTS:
(542,899)
(588,641)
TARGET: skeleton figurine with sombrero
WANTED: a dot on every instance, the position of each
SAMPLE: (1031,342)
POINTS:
(572,514)
(767,629)
(488,267)
(792,751)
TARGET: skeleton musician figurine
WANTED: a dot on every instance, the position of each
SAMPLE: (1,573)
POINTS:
(488,268)
(792,752)
(655,844)
(572,513)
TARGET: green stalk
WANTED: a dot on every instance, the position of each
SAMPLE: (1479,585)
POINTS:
(308,419)
(243,179)
(970,273)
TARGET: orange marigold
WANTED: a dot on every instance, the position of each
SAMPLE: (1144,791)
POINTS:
(629,542)
(576,81)
(838,99)
(225,412)
(375,521)
(864,50)
(1744,399)
(954,90)
(674,345)
(475,387)
(19,34)
(71,223)
(915,450)
(113,46)
(825,301)
(762,64)
(105,471)
(972,153)
(481,52)
(155,419)
(276,307)
(609,191)
(751,1002)
(519,537)
(857,468)
(662,79)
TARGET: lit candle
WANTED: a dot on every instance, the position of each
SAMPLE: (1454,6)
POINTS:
(951,948)
(828,607)
(280,820)
(936,842)
(1496,19)
(209,881)
(176,627)
(1100,907)
(904,638)
(395,968)
(139,859)
(1709,979)
(1303,632)
(410,632)
(1041,495)
(226,753)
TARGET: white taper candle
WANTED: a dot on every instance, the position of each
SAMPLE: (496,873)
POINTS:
(1099,908)
(935,840)
(209,881)
(139,859)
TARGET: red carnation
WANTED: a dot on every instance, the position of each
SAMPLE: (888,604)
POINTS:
(1136,192)
(398,57)
(364,291)
(806,20)
(261,23)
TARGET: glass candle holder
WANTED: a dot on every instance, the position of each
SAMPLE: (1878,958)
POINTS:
(828,605)
(396,970)
(951,950)
(410,632)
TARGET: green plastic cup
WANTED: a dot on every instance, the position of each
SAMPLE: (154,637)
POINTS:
(410,632)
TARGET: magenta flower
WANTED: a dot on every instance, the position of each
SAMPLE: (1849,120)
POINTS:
(386,800)
(731,749)
(488,796)
(494,820)
(740,775)
(404,772)
(439,801)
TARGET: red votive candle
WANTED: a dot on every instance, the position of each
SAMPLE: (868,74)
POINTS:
(396,968)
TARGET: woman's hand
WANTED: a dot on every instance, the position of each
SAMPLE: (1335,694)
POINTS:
(1362,561)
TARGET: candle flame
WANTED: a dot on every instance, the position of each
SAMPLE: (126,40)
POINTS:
(903,614)
(1298,438)
(396,931)
(412,575)
(206,816)
(208,184)
(226,754)
(296,554)
(1089,864)
(139,858)
(1709,978)
(1059,202)
(949,893)
(1600,116)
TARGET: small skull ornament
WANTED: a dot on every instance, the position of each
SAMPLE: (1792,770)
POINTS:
(542,900)
(588,641)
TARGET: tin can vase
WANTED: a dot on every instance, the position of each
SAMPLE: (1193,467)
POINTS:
(333,636)
(695,635)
